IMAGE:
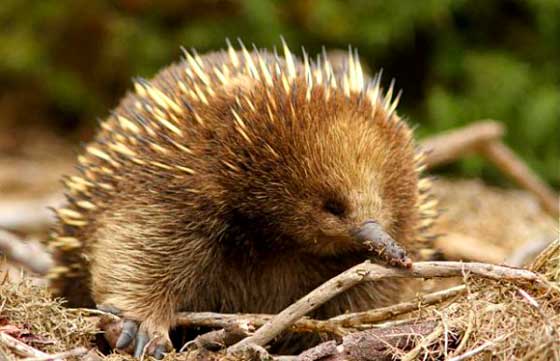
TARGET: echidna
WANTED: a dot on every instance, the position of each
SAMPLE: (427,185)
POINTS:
(239,181)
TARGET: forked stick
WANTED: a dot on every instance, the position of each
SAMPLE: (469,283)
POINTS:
(366,272)
(484,137)
(335,325)
(509,163)
(454,144)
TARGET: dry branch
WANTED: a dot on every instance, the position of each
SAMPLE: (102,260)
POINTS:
(29,254)
(509,163)
(333,325)
(19,347)
(29,214)
(449,146)
(232,326)
(219,339)
(221,320)
(366,272)
(485,346)
(427,341)
(359,319)
(78,351)
(484,137)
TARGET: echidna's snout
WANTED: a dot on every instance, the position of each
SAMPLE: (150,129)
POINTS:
(370,230)
(372,234)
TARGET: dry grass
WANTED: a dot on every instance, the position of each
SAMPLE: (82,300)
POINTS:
(28,312)
(502,320)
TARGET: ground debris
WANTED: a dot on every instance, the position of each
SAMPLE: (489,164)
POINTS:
(29,314)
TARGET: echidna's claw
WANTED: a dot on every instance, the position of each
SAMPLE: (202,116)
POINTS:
(109,309)
(156,348)
(132,337)
(159,351)
(141,341)
(129,331)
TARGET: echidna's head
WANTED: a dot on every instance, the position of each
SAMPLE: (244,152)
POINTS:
(311,170)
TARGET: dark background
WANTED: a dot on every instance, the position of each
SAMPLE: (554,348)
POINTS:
(64,64)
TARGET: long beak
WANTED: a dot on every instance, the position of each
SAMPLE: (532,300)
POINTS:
(374,236)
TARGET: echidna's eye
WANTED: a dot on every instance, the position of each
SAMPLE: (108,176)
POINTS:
(334,207)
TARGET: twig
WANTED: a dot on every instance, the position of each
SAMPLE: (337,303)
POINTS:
(29,214)
(401,322)
(509,163)
(427,341)
(484,137)
(92,311)
(147,347)
(224,320)
(380,314)
(19,347)
(29,254)
(78,351)
(449,146)
(466,335)
(216,340)
(446,332)
(366,272)
(478,349)
(337,326)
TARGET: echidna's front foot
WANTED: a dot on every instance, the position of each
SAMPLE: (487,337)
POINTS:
(156,342)
(135,336)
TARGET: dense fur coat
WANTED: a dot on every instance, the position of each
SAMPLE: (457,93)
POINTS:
(231,183)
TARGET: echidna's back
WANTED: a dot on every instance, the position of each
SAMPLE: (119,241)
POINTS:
(157,138)
(103,174)
(163,118)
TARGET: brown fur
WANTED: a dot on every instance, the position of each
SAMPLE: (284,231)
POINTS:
(242,220)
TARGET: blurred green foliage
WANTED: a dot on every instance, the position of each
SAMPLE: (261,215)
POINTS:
(63,63)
